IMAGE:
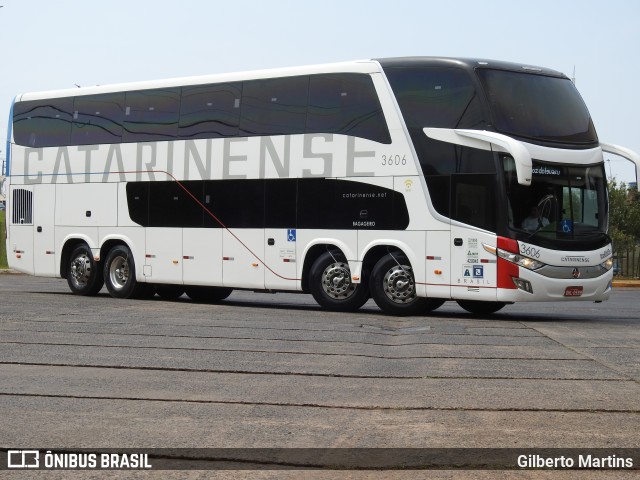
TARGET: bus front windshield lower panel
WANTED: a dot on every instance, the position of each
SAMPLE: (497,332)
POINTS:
(563,205)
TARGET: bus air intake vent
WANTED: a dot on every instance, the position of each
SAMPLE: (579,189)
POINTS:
(22,207)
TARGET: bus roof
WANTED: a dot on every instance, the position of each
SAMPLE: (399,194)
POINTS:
(357,66)
(466,63)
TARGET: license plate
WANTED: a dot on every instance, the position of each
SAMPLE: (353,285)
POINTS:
(573,292)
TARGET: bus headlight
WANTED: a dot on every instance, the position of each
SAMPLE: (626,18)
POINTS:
(521,260)
(607,264)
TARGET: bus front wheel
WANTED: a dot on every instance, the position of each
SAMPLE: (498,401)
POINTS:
(331,285)
(120,273)
(83,275)
(393,288)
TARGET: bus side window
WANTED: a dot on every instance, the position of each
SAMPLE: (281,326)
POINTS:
(43,123)
(473,200)
(347,104)
(274,106)
(97,119)
(210,111)
(151,115)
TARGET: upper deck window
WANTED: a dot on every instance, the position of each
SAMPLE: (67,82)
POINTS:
(275,106)
(151,115)
(341,103)
(42,123)
(210,111)
(97,119)
(346,103)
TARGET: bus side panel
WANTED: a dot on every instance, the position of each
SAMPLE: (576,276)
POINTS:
(242,256)
(438,264)
(473,269)
(163,255)
(86,204)
(202,256)
(44,254)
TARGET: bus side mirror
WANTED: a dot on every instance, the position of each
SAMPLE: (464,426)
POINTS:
(624,153)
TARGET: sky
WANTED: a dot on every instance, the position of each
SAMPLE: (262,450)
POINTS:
(53,44)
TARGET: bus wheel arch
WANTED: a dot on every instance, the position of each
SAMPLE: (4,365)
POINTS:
(327,276)
(119,270)
(393,286)
(79,267)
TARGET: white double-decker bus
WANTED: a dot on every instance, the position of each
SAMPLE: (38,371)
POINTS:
(410,180)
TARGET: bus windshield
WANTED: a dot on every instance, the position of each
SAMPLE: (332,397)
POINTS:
(537,107)
(562,203)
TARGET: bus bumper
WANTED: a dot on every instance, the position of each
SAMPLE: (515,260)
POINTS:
(554,289)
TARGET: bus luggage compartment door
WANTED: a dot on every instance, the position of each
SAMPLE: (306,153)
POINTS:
(280,258)
(44,254)
(242,257)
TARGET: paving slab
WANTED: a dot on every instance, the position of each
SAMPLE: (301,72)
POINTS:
(310,364)
(333,392)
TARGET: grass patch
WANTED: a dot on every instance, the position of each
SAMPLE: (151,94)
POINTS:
(3,240)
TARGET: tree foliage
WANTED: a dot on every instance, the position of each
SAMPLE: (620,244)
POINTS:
(624,216)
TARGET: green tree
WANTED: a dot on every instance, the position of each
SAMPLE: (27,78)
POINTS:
(624,223)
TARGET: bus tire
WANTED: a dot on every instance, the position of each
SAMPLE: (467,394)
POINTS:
(120,273)
(169,292)
(393,287)
(145,291)
(331,285)
(478,307)
(433,303)
(84,276)
(207,294)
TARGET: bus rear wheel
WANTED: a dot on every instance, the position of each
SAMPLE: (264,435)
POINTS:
(478,307)
(83,275)
(331,285)
(393,288)
(120,273)
(433,303)
(207,294)
(169,292)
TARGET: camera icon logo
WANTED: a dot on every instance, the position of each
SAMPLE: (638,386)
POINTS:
(23,459)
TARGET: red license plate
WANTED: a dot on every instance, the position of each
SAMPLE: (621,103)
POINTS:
(573,292)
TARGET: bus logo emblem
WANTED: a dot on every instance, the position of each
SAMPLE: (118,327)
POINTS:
(575,273)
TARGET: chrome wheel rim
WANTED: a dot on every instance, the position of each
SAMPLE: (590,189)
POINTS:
(399,285)
(81,270)
(336,281)
(119,272)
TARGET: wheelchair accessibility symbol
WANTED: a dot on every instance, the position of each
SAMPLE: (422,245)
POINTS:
(567,226)
(291,235)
